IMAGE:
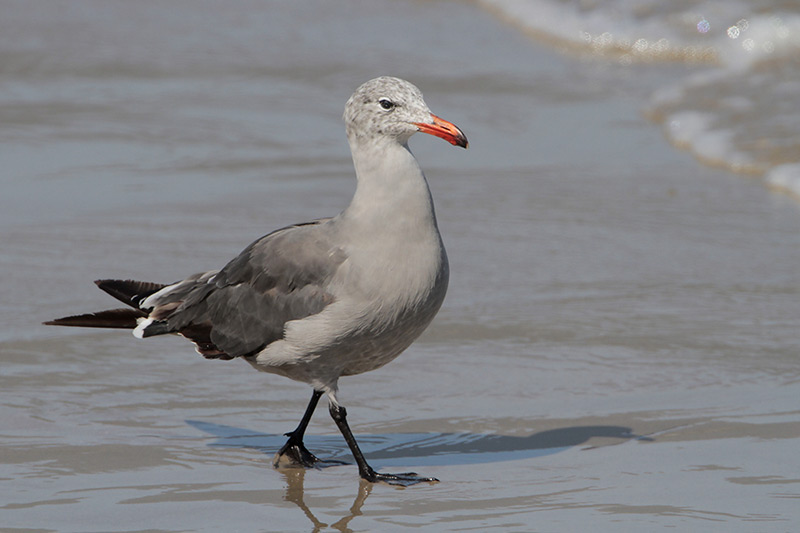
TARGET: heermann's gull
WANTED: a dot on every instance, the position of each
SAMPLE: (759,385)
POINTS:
(334,297)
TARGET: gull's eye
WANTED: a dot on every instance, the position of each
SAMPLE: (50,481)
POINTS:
(386,104)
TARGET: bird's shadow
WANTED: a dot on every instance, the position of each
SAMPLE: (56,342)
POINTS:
(426,449)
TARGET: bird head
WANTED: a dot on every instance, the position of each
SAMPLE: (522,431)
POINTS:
(388,107)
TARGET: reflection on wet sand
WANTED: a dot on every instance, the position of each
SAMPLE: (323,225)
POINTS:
(430,448)
(295,493)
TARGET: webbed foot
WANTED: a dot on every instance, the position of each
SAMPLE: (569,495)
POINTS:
(404,480)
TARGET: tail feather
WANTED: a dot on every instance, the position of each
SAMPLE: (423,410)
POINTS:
(129,292)
(132,293)
(113,318)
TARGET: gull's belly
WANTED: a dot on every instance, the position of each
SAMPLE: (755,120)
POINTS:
(350,338)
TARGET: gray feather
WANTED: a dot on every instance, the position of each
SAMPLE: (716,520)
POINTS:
(245,306)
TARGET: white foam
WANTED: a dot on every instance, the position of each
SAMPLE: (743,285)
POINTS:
(686,127)
(759,37)
(726,31)
(696,132)
(785,178)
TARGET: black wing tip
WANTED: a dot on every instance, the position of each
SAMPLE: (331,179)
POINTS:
(65,320)
(128,291)
(72,320)
(112,318)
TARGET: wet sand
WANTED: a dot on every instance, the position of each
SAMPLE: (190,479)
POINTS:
(617,352)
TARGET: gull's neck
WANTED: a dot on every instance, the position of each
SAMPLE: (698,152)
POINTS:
(391,190)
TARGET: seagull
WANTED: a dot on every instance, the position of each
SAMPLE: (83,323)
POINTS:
(324,299)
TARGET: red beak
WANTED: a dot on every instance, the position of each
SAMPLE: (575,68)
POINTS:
(446,130)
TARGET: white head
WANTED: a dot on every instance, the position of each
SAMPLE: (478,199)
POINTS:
(392,108)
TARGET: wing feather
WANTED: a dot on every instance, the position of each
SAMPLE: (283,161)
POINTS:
(244,307)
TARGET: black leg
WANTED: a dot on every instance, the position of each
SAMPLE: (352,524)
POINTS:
(294,452)
(339,415)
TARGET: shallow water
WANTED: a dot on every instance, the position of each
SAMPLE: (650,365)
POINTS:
(618,349)
(737,107)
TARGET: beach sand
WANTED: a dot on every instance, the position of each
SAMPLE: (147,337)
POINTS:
(617,352)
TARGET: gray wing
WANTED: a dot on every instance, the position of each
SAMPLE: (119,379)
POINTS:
(244,307)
